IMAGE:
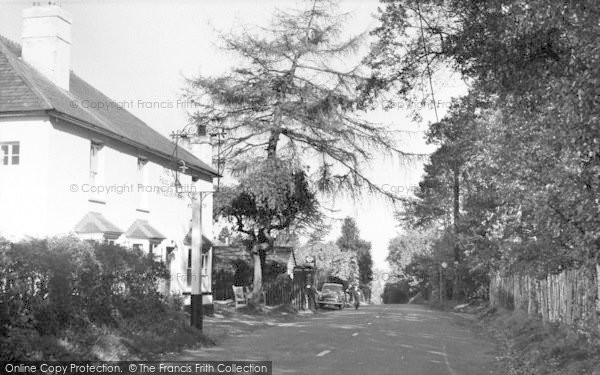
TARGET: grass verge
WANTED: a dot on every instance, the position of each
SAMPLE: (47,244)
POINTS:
(132,339)
(532,347)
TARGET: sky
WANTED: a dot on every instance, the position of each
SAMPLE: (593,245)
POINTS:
(141,51)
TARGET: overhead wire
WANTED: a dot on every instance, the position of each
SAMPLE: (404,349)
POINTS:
(427,62)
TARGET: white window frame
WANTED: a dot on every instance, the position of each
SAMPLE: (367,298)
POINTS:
(96,170)
(155,250)
(204,264)
(142,179)
(8,155)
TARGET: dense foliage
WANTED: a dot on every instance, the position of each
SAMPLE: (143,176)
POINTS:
(350,241)
(270,198)
(63,288)
(515,180)
(332,264)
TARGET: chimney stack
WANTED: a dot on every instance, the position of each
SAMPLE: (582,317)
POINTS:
(46,41)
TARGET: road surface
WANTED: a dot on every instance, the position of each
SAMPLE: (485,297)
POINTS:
(374,340)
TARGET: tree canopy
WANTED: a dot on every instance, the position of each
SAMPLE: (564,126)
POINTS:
(294,95)
(332,263)
(514,181)
(350,241)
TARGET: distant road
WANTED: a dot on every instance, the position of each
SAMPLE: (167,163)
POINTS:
(384,339)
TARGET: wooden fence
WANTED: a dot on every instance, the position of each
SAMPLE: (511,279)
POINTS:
(570,297)
(278,292)
(291,292)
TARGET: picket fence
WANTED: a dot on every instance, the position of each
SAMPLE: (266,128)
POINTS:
(570,297)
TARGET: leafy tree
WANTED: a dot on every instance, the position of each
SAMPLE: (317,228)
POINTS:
(365,264)
(528,154)
(271,197)
(332,262)
(420,273)
(402,248)
(416,256)
(351,242)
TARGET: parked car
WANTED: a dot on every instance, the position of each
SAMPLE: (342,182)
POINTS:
(331,294)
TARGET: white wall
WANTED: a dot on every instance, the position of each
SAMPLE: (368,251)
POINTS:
(23,191)
(48,192)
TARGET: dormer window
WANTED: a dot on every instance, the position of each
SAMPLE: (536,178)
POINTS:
(9,153)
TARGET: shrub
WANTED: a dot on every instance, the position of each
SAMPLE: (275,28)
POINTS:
(53,286)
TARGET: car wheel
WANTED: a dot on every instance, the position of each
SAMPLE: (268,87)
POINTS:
(341,306)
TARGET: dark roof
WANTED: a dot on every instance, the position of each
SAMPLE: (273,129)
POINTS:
(140,229)
(23,89)
(95,222)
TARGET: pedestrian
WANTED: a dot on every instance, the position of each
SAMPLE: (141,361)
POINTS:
(355,296)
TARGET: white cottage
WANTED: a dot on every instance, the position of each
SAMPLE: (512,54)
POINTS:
(72,161)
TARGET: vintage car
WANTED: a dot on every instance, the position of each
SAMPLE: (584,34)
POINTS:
(331,294)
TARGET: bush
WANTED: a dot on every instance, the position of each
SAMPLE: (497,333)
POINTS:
(53,287)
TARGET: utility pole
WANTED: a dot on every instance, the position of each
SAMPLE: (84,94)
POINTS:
(220,132)
(196,298)
(443,266)
(197,195)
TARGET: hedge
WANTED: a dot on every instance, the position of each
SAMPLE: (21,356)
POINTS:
(51,286)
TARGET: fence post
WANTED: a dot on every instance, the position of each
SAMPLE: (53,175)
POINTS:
(597,293)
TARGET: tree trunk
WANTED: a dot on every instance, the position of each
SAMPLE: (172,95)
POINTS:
(259,256)
(262,253)
(257,283)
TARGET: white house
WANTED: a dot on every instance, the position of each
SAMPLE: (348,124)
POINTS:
(72,161)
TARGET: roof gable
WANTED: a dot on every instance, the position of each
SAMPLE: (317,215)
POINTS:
(95,222)
(141,229)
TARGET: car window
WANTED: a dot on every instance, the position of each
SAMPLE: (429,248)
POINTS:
(331,288)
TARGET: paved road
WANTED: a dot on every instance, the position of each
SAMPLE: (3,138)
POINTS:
(374,340)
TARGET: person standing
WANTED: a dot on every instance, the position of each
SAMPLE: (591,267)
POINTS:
(355,293)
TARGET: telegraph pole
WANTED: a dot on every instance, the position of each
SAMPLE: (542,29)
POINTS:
(196,298)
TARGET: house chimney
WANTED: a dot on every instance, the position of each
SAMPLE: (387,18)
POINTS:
(46,41)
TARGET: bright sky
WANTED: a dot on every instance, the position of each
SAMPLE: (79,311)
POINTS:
(139,51)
